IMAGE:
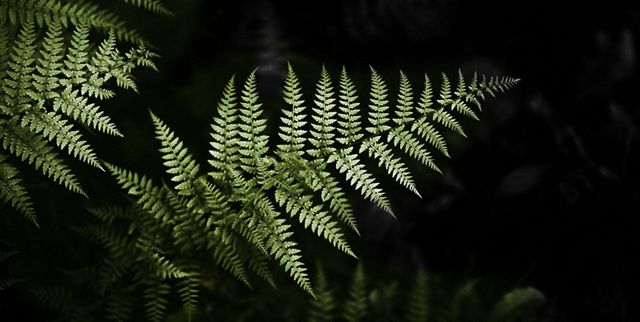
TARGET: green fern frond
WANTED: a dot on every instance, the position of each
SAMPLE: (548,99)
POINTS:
(188,289)
(418,306)
(322,181)
(57,130)
(253,143)
(73,13)
(179,162)
(393,165)
(13,192)
(322,128)
(235,219)
(226,256)
(34,150)
(280,246)
(150,197)
(378,115)
(49,63)
(355,306)
(119,306)
(156,303)
(356,174)
(349,124)
(224,134)
(292,130)
(290,196)
(152,5)
(323,305)
(18,82)
(74,105)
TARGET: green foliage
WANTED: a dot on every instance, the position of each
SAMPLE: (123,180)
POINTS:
(238,214)
(53,76)
(387,301)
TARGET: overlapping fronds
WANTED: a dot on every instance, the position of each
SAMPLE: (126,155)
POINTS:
(240,212)
(53,75)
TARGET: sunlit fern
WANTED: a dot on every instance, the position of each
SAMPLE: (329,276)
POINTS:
(53,76)
(236,212)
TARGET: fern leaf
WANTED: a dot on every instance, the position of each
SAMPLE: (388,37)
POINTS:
(409,144)
(13,192)
(57,130)
(150,197)
(152,5)
(443,117)
(49,64)
(156,303)
(323,305)
(180,164)
(378,115)
(71,103)
(77,56)
(355,306)
(253,143)
(290,196)
(418,308)
(18,83)
(330,191)
(31,148)
(322,128)
(119,306)
(349,124)
(226,256)
(292,130)
(393,165)
(188,292)
(224,133)
(430,134)
(67,13)
(404,109)
(280,246)
(357,176)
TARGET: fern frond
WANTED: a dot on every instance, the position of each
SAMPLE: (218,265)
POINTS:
(226,256)
(75,68)
(323,305)
(404,109)
(349,124)
(290,196)
(253,143)
(67,13)
(188,292)
(321,181)
(393,165)
(34,150)
(322,128)
(18,83)
(13,192)
(49,64)
(57,130)
(409,144)
(156,303)
(71,103)
(356,174)
(180,164)
(418,307)
(152,5)
(355,306)
(292,130)
(119,306)
(280,246)
(378,115)
(224,134)
(150,197)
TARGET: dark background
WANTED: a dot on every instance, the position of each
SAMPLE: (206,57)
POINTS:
(546,189)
